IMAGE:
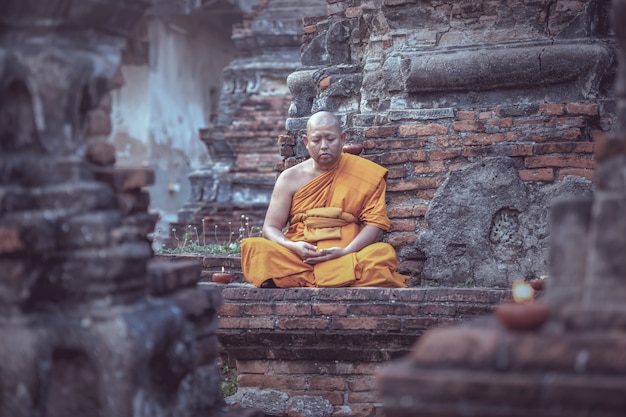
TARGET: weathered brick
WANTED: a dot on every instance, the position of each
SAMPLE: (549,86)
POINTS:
(443,154)
(252,367)
(362,384)
(429,129)
(404,225)
(402,239)
(401,157)
(579,108)
(326,383)
(571,161)
(246,323)
(430,168)
(504,123)
(483,139)
(585,173)
(563,147)
(329,309)
(416,184)
(381,131)
(365,323)
(404,144)
(448,141)
(469,126)
(552,109)
(303,323)
(465,115)
(407,211)
(543,174)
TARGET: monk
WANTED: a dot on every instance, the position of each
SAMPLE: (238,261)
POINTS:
(324,221)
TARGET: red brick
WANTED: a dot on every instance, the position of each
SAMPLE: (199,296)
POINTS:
(586,173)
(402,239)
(378,309)
(403,156)
(334,310)
(327,383)
(483,139)
(448,141)
(381,131)
(465,115)
(469,126)
(252,367)
(506,122)
(563,147)
(405,225)
(543,174)
(426,194)
(407,211)
(310,29)
(403,144)
(271,381)
(444,154)
(303,323)
(415,184)
(423,130)
(552,109)
(365,323)
(363,397)
(485,115)
(578,108)
(572,161)
(419,323)
(362,384)
(430,168)
(246,323)
(396,171)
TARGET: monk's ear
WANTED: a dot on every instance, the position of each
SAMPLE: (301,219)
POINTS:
(305,140)
(343,136)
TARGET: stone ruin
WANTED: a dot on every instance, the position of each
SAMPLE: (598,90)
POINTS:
(575,364)
(91,325)
(253,105)
(485,114)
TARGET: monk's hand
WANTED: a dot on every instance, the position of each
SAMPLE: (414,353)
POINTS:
(304,250)
(325,255)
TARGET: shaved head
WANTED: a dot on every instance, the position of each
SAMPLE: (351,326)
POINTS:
(323,118)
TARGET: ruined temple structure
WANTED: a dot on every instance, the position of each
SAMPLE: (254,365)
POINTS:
(91,325)
(485,113)
(575,364)
(250,117)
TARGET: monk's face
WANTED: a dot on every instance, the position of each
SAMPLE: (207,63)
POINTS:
(324,142)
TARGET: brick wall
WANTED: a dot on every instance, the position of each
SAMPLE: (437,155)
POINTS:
(305,348)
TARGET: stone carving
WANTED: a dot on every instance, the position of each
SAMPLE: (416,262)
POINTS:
(485,223)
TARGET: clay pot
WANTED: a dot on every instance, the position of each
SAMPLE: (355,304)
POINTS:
(353,148)
(537,283)
(522,316)
(222,277)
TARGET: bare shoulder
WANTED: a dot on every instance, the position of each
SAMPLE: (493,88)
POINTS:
(293,178)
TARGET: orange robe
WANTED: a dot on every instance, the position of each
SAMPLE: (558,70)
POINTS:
(327,212)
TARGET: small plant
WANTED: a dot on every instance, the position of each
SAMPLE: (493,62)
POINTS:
(191,242)
(228,380)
